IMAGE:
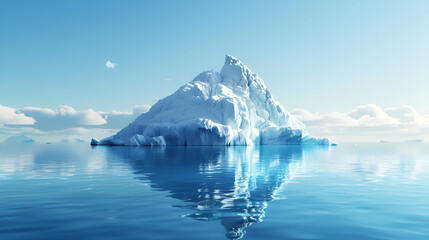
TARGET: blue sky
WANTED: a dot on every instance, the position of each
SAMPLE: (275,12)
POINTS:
(321,56)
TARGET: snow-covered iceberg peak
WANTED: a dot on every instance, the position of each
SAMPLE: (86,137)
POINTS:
(234,70)
(233,107)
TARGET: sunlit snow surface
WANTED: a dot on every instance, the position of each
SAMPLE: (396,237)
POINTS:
(233,107)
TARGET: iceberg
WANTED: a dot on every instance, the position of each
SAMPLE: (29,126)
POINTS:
(230,107)
(19,139)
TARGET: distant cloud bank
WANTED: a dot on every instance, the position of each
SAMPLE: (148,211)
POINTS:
(64,120)
(367,121)
(362,122)
(62,117)
(369,115)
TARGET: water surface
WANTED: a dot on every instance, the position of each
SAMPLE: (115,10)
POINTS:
(74,191)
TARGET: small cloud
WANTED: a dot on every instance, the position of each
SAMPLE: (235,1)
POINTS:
(111,65)
(168,79)
(118,120)
(141,109)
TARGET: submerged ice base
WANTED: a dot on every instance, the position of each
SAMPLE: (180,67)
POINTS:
(230,107)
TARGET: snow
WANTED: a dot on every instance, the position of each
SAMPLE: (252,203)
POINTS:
(230,107)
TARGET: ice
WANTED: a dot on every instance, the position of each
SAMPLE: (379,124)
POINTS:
(230,107)
(94,141)
(415,140)
(19,139)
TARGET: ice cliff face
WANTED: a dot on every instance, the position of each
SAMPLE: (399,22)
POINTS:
(233,107)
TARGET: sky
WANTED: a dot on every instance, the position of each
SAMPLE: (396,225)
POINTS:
(86,60)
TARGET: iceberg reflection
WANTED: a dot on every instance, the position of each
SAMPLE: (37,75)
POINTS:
(232,185)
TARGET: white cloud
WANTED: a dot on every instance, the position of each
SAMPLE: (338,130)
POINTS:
(328,119)
(408,116)
(372,115)
(11,116)
(111,65)
(62,117)
(141,109)
(117,119)
(64,121)
(19,130)
(369,115)
(367,120)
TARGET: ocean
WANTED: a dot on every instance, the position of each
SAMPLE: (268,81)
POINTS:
(349,191)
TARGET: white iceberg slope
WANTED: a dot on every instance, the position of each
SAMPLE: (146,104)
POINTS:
(233,107)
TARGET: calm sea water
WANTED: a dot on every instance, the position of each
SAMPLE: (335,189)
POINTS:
(74,191)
